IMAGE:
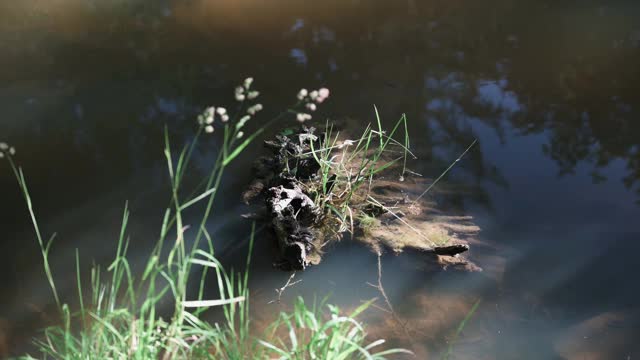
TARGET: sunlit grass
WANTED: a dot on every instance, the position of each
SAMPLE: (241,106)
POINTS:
(121,316)
(348,168)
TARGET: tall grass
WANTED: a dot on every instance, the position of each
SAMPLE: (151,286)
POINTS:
(309,337)
(347,174)
(349,169)
(122,316)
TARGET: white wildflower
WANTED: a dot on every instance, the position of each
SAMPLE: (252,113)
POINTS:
(221,111)
(302,117)
(12,150)
(323,94)
(311,106)
(207,116)
(302,94)
(252,95)
(208,129)
(247,82)
(313,95)
(239,93)
(224,118)
(242,121)
(254,109)
(3,146)
(1,155)
(240,135)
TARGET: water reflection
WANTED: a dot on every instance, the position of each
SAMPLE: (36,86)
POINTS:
(548,88)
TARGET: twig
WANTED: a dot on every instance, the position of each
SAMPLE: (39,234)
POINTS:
(446,171)
(390,309)
(282,289)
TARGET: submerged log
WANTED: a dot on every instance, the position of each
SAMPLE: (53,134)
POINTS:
(291,212)
(451,250)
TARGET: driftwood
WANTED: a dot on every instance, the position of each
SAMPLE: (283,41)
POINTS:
(291,211)
(293,214)
(452,250)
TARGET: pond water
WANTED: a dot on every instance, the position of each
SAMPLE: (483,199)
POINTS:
(551,90)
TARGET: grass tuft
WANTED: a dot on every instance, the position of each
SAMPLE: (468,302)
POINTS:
(121,319)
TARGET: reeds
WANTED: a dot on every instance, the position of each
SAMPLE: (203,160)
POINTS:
(121,318)
(348,168)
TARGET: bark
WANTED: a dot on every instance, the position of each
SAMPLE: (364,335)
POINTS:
(291,211)
(451,250)
(293,214)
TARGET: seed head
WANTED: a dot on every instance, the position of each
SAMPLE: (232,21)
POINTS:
(302,117)
(254,109)
(207,116)
(323,94)
(5,148)
(243,121)
(239,94)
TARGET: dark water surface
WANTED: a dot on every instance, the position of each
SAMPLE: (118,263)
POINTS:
(551,90)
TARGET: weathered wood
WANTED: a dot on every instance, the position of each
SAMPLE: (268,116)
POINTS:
(293,214)
(451,250)
(291,211)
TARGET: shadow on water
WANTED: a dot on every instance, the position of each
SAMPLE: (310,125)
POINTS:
(550,89)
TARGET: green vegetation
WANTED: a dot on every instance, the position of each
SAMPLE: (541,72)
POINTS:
(309,337)
(460,327)
(120,317)
(348,167)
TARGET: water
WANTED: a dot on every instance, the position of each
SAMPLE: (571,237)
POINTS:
(550,89)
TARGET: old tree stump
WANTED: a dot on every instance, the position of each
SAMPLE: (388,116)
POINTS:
(283,179)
